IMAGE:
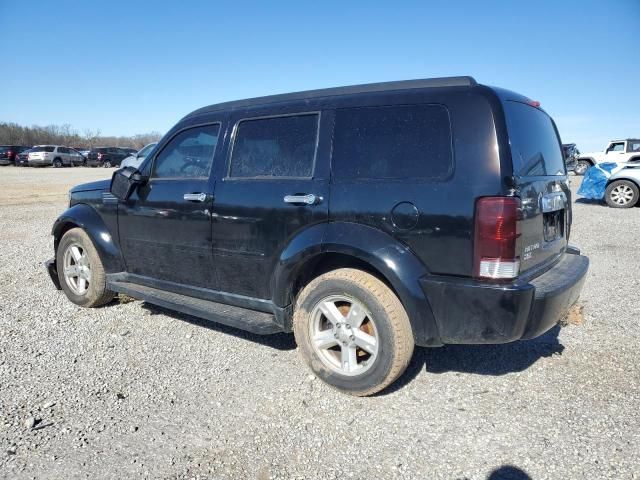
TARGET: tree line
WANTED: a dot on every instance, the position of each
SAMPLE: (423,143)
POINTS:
(66,135)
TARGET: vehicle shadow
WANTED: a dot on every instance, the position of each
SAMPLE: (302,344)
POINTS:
(588,201)
(279,341)
(508,472)
(494,360)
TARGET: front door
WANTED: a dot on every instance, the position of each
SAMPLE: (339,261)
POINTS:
(165,227)
(274,186)
(615,152)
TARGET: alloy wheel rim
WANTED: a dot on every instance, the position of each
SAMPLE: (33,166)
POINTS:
(344,335)
(622,194)
(77,270)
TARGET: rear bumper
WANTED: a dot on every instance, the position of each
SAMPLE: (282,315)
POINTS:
(6,161)
(40,161)
(472,312)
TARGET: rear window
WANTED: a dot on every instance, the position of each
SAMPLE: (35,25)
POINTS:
(392,142)
(535,148)
(4,149)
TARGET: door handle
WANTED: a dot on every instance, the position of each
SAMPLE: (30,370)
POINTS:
(307,199)
(195,197)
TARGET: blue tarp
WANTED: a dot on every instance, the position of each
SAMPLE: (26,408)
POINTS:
(595,179)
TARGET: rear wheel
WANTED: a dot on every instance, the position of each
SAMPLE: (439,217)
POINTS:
(80,271)
(107,164)
(352,331)
(57,163)
(581,167)
(621,194)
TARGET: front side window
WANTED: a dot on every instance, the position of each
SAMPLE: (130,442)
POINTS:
(616,147)
(188,155)
(63,150)
(275,147)
(392,142)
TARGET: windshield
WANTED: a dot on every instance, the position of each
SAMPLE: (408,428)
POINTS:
(145,151)
(535,147)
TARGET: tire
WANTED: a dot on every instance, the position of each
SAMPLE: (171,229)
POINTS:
(95,292)
(57,163)
(581,167)
(621,194)
(107,164)
(383,318)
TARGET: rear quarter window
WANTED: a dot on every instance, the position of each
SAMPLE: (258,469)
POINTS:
(535,146)
(392,142)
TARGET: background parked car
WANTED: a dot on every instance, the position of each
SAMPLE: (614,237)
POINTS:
(9,153)
(136,159)
(22,160)
(571,154)
(619,151)
(54,155)
(106,157)
(130,151)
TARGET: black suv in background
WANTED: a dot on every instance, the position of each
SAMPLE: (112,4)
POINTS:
(365,219)
(9,153)
(106,157)
(571,154)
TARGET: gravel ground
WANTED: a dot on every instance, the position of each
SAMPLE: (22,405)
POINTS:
(133,391)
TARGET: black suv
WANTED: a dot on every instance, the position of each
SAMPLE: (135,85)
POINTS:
(365,219)
(9,153)
(571,155)
(106,157)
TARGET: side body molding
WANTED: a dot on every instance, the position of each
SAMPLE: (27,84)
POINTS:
(393,260)
(104,239)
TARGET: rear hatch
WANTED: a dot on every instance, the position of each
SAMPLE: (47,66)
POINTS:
(541,183)
(41,153)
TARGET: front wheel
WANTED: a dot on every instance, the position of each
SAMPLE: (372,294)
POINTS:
(581,167)
(621,194)
(57,163)
(352,331)
(80,271)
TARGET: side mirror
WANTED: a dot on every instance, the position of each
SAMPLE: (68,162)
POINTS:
(125,181)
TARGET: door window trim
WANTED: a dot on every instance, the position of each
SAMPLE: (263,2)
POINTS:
(190,127)
(232,142)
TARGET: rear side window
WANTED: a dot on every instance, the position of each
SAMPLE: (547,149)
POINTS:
(535,147)
(275,147)
(394,142)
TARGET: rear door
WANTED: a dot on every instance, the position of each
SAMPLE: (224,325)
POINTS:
(274,186)
(541,182)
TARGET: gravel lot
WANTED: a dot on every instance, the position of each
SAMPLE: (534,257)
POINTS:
(132,391)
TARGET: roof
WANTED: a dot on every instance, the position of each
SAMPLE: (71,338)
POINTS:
(464,81)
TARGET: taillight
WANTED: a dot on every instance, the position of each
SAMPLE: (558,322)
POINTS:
(10,153)
(496,232)
(99,156)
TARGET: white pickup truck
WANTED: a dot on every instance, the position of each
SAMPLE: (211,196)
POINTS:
(616,151)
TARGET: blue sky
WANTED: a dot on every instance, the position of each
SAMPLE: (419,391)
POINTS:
(133,67)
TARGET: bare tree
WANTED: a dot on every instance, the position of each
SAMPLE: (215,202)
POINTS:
(14,134)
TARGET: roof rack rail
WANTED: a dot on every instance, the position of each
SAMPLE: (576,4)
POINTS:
(462,81)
